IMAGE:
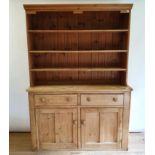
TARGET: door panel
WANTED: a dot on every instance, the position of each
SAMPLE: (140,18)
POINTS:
(108,126)
(92,127)
(46,127)
(57,128)
(64,127)
(101,127)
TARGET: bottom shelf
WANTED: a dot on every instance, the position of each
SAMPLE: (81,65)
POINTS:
(50,78)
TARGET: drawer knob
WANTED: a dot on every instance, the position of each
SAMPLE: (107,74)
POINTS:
(42,99)
(67,99)
(114,99)
(88,99)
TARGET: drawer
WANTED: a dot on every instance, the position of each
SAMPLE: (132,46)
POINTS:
(55,99)
(102,99)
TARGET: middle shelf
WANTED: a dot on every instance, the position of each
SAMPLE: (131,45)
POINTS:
(77,31)
(76,69)
(74,60)
(76,41)
(75,51)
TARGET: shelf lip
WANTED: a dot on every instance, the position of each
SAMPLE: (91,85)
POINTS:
(79,88)
(74,7)
(77,51)
(76,69)
(77,31)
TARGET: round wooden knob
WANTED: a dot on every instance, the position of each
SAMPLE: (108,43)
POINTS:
(83,122)
(67,99)
(114,99)
(74,122)
(88,99)
(42,99)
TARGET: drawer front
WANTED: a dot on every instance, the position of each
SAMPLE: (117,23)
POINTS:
(55,99)
(102,99)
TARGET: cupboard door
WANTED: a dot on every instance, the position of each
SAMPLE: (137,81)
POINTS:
(57,128)
(101,127)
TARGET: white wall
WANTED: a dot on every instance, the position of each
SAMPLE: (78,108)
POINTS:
(19,78)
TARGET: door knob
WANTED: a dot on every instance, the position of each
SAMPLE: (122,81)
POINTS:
(74,122)
(83,122)
(42,99)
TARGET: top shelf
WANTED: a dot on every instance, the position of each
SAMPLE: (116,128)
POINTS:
(107,21)
(33,8)
(75,31)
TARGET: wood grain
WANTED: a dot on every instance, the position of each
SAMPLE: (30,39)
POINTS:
(79,88)
(57,128)
(100,127)
(20,143)
(126,114)
(34,135)
(55,99)
(78,7)
(102,99)
(75,31)
(78,64)
(80,51)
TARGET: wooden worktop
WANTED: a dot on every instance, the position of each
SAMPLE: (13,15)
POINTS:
(79,88)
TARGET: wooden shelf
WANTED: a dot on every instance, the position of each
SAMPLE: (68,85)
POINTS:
(77,31)
(33,8)
(76,69)
(79,88)
(88,48)
(78,58)
(80,51)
